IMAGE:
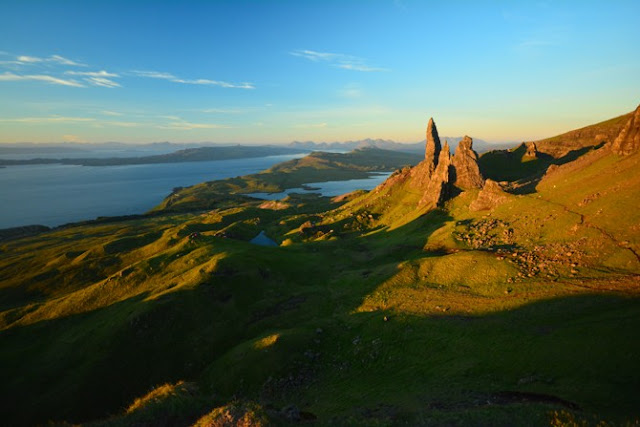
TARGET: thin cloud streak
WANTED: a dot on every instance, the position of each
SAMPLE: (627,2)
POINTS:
(360,67)
(102,82)
(53,119)
(111,113)
(175,123)
(170,77)
(338,60)
(97,78)
(190,126)
(101,73)
(223,111)
(7,76)
(57,59)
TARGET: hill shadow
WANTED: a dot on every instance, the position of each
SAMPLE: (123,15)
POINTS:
(283,327)
(508,165)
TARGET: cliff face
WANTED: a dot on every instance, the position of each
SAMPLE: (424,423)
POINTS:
(628,141)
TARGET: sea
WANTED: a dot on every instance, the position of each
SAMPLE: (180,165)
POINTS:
(58,194)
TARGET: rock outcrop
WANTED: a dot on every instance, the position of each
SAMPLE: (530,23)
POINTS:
(433,147)
(628,141)
(532,150)
(434,178)
(491,196)
(438,188)
(465,164)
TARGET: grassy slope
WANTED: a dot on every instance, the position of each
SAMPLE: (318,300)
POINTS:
(512,164)
(606,131)
(96,315)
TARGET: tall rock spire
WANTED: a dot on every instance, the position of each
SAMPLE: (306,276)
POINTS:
(437,190)
(433,147)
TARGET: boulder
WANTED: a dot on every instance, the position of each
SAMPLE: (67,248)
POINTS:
(628,141)
(491,196)
(465,164)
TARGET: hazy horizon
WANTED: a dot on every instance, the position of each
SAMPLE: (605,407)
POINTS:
(273,73)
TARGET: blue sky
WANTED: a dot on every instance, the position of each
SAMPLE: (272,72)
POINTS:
(271,72)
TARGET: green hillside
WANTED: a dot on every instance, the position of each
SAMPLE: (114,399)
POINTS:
(372,311)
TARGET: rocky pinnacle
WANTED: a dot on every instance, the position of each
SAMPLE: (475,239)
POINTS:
(432,150)
(465,163)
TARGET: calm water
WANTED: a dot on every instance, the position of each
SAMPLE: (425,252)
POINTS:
(330,188)
(58,194)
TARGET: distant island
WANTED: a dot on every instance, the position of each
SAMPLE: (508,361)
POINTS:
(199,154)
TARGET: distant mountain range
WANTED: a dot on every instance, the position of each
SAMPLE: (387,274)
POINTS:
(479,145)
(119,153)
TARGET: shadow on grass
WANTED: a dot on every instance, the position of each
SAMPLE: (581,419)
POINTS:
(282,326)
(508,166)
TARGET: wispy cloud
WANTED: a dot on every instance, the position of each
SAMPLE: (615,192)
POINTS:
(338,60)
(360,67)
(7,76)
(57,59)
(101,73)
(97,78)
(50,119)
(100,81)
(312,55)
(159,122)
(111,113)
(207,82)
(154,75)
(184,125)
(127,124)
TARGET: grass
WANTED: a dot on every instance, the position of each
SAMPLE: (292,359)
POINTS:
(374,313)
